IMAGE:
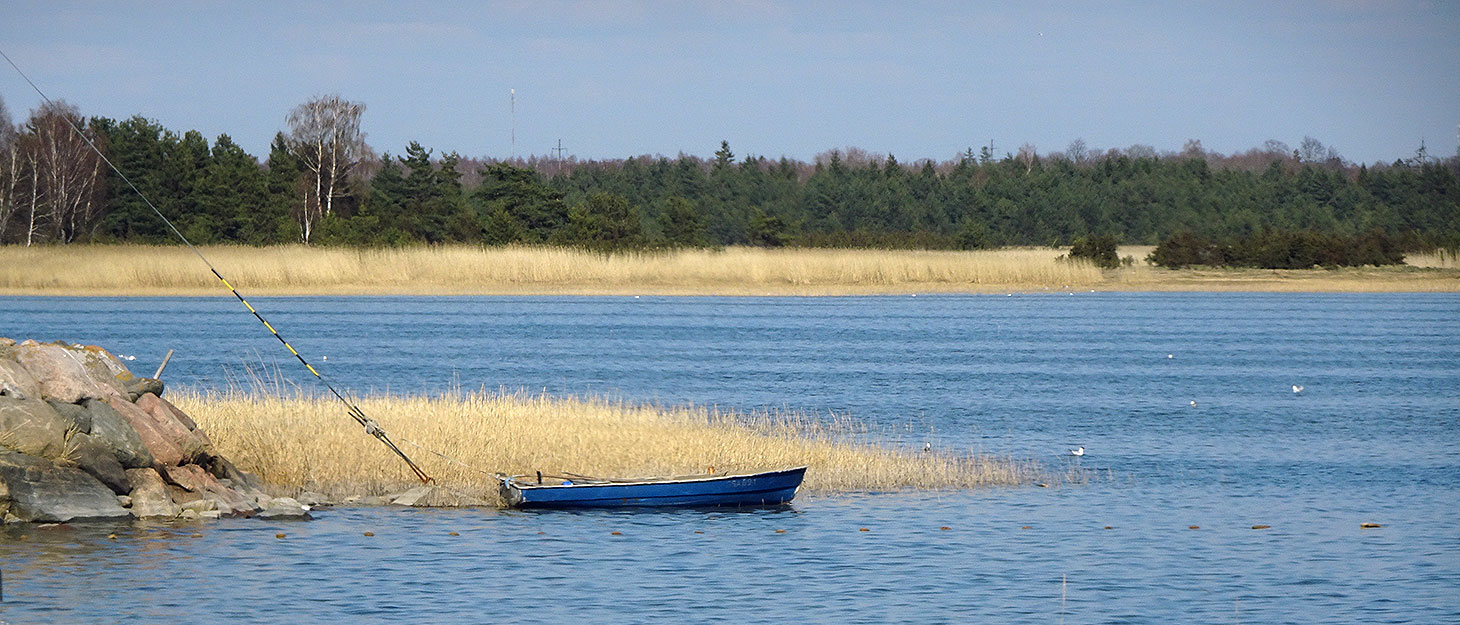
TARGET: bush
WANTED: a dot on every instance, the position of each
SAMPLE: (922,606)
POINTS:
(1099,249)
(1278,249)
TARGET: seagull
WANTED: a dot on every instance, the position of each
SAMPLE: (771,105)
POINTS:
(1077,452)
(927,447)
(1193,403)
(1297,388)
(1169,356)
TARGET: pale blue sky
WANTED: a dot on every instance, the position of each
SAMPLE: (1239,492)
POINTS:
(915,79)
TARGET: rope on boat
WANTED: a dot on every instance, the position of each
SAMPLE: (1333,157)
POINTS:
(371,427)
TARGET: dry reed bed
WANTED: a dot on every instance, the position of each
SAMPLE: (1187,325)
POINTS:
(307,443)
(461,269)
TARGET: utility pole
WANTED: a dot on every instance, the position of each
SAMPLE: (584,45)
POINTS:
(559,150)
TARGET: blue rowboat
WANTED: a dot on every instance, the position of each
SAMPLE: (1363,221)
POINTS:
(767,488)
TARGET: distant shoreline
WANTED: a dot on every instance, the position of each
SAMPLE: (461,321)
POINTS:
(151,271)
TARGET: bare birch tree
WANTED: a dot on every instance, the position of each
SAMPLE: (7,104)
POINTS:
(65,174)
(324,134)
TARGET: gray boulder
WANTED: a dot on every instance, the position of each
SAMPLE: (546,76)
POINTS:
(283,508)
(150,498)
(37,490)
(109,426)
(137,387)
(16,381)
(31,426)
(98,460)
(77,415)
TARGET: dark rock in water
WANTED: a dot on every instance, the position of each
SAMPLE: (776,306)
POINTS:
(79,417)
(36,490)
(16,382)
(109,426)
(31,426)
(283,508)
(98,460)
(137,387)
(159,442)
(150,497)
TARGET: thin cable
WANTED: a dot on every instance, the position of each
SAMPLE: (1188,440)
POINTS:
(371,427)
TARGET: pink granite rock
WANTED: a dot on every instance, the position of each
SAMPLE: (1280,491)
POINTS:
(149,495)
(67,374)
(159,442)
(175,424)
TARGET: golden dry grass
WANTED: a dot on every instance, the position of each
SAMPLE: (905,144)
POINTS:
(1438,259)
(461,270)
(302,443)
(171,270)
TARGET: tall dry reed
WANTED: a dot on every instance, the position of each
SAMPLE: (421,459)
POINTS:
(431,270)
(308,443)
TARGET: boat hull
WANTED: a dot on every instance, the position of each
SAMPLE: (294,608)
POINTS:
(755,489)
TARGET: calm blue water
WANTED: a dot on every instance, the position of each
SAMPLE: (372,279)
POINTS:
(1370,439)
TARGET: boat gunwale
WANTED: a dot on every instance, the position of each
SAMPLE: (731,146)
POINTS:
(509,481)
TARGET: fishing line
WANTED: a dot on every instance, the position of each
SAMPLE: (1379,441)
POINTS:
(371,427)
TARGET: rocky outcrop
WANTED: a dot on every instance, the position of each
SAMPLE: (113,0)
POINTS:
(82,438)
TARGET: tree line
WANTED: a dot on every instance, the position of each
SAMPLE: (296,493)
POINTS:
(322,184)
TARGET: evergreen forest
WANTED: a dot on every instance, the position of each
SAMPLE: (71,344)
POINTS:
(320,184)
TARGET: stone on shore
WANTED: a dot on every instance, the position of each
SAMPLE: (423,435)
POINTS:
(137,387)
(159,442)
(38,491)
(65,374)
(283,508)
(82,438)
(78,416)
(194,479)
(150,498)
(98,460)
(178,425)
(112,427)
(16,382)
(32,427)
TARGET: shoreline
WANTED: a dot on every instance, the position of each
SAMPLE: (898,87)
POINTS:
(163,271)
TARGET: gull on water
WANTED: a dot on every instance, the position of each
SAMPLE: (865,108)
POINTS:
(1297,388)
(1077,452)
(1193,403)
(927,447)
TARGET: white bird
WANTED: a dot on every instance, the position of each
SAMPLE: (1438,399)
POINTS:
(1170,355)
(1297,388)
(324,357)
(1077,452)
(1193,403)
(927,447)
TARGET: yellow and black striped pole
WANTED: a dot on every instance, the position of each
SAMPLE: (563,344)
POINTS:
(369,424)
(371,427)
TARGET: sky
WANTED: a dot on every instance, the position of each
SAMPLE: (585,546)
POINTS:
(615,79)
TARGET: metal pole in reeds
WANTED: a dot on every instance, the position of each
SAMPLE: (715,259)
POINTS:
(158,375)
